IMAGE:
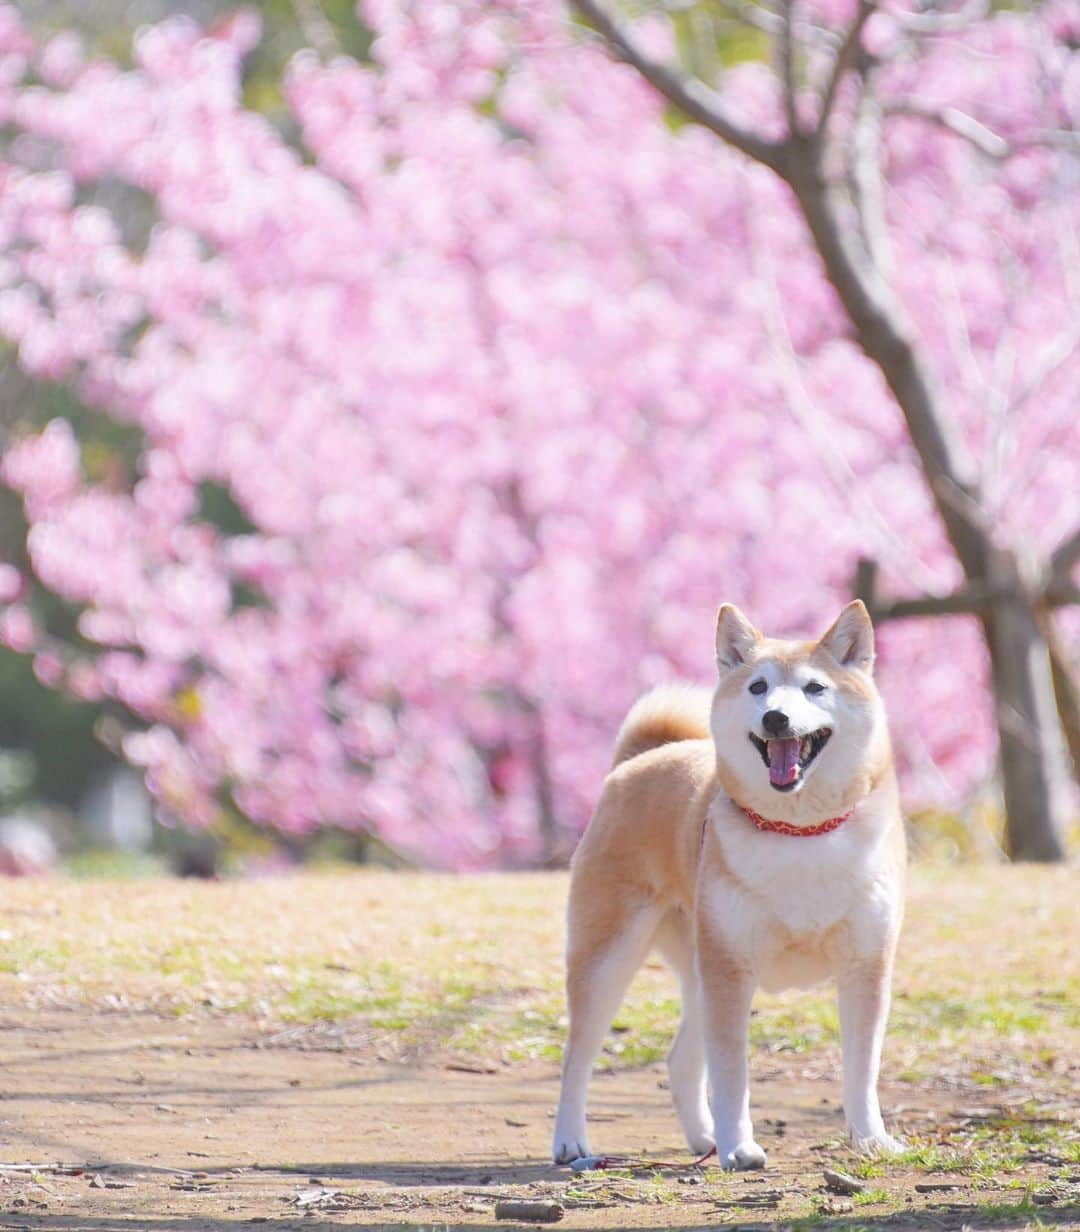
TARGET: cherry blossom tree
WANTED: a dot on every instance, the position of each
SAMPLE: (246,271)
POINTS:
(458,409)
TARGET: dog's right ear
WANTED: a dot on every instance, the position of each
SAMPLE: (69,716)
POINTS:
(850,640)
(736,638)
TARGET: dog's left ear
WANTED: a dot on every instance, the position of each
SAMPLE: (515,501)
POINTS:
(850,641)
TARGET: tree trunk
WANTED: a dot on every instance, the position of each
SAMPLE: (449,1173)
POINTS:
(547,822)
(1032,752)
(1034,764)
(1066,689)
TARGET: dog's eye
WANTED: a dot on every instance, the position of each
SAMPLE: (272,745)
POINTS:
(814,687)
(759,686)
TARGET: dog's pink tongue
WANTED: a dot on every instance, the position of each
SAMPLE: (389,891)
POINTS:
(783,762)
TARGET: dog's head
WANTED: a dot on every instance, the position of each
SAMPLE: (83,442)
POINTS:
(799,726)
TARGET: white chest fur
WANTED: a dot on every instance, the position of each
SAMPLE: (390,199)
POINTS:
(798,909)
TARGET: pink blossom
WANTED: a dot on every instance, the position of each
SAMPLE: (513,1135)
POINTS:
(49,668)
(44,469)
(11,583)
(17,629)
(61,60)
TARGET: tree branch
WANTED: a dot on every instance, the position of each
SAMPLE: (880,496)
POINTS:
(316,28)
(1050,361)
(976,599)
(844,58)
(960,124)
(867,181)
(787,67)
(880,325)
(809,415)
(1065,556)
(887,338)
(693,98)
(1052,139)
(944,23)
(1066,687)
(753,15)
(760,18)
(984,139)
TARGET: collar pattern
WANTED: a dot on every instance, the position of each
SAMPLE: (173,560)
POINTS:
(784,827)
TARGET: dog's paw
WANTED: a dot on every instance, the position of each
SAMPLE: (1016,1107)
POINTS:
(700,1143)
(879,1144)
(567,1148)
(746,1157)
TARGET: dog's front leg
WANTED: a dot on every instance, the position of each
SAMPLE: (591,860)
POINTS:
(864,1007)
(727,990)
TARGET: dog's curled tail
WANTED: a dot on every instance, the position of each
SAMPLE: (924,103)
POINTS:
(668,713)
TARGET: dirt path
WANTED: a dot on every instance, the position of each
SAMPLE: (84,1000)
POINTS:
(208,1123)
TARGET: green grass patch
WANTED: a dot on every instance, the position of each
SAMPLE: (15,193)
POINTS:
(932,1015)
(1024,1208)
(983,1079)
(983,1154)
(475,964)
(867,1169)
(872,1197)
(798,1023)
(928,1157)
(100,865)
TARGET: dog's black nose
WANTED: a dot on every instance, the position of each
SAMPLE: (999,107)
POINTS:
(775,722)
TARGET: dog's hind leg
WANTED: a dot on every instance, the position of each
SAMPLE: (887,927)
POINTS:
(608,942)
(686,1060)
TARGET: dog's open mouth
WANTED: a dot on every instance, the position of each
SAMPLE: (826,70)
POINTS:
(787,759)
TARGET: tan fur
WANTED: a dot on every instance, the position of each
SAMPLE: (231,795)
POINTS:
(665,716)
(660,852)
(654,805)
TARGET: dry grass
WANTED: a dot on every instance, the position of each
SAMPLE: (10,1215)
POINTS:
(474,963)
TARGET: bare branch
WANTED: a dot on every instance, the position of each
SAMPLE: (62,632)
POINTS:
(887,337)
(1058,353)
(1052,138)
(960,124)
(1066,686)
(1063,594)
(316,28)
(754,15)
(944,23)
(1063,423)
(809,415)
(984,139)
(693,98)
(1065,556)
(769,21)
(973,600)
(1067,695)
(787,67)
(844,59)
(867,181)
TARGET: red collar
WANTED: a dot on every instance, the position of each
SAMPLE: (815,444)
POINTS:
(784,827)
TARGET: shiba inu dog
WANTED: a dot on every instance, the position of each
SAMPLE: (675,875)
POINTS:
(754,840)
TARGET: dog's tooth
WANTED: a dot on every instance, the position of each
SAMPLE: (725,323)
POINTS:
(804,748)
